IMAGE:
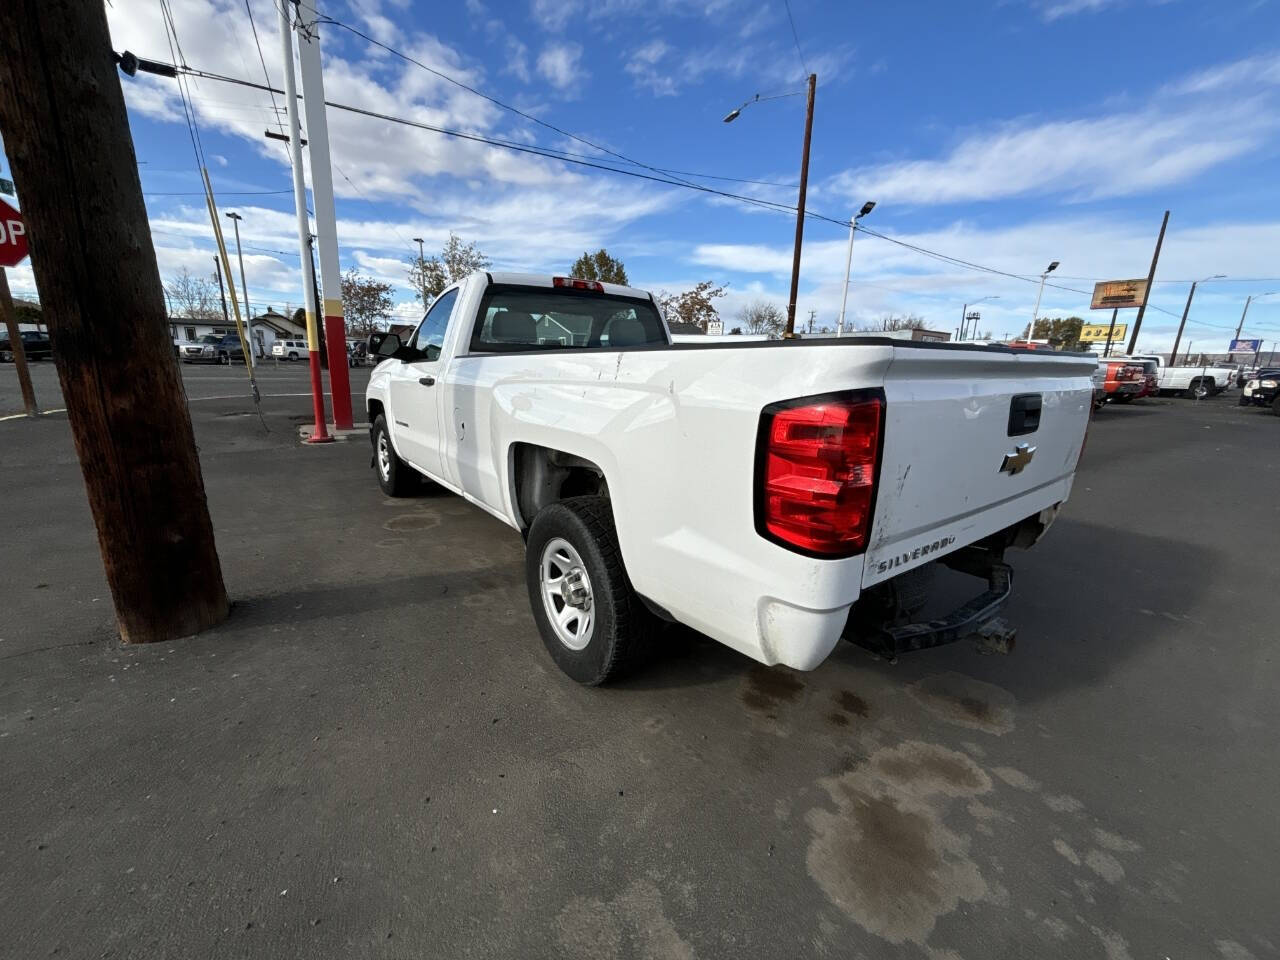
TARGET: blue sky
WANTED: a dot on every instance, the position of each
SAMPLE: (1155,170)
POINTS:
(1008,133)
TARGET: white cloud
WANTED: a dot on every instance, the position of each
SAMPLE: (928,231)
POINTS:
(1057,9)
(645,68)
(1173,139)
(517,60)
(559,64)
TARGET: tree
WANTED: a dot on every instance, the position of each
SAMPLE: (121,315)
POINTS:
(365,303)
(895,322)
(195,298)
(735,332)
(1061,332)
(600,266)
(762,316)
(456,260)
(693,307)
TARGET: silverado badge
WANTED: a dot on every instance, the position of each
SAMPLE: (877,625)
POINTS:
(1016,462)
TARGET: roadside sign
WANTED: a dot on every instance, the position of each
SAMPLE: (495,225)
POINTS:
(1097,332)
(1110,294)
(1252,346)
(13,236)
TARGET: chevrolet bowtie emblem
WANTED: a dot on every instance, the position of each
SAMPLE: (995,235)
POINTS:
(1016,462)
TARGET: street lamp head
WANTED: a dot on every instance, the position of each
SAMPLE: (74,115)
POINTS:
(234,216)
(866,208)
(733,115)
(417,240)
(1052,267)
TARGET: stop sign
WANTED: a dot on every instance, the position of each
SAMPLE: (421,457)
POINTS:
(13,236)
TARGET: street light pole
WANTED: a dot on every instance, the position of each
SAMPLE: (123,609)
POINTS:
(848,261)
(422,279)
(1036,314)
(804,185)
(244,287)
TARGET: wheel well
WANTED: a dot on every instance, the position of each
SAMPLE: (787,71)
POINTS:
(541,476)
(375,408)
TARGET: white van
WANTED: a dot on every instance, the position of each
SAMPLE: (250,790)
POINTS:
(290,350)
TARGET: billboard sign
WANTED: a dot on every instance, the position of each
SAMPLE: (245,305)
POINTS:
(1110,294)
(1252,346)
(1097,332)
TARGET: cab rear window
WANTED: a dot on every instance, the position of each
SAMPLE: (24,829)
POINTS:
(513,319)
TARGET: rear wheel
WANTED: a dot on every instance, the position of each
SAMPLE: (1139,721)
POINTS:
(292,356)
(1196,390)
(395,477)
(592,622)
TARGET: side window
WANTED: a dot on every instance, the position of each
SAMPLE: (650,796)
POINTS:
(430,336)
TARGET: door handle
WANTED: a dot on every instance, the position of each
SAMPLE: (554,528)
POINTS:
(427,381)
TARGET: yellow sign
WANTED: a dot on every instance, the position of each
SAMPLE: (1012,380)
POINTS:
(1097,332)
(1118,293)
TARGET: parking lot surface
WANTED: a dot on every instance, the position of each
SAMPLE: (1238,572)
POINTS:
(374,756)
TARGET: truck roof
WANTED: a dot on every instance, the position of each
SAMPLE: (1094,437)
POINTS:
(547,280)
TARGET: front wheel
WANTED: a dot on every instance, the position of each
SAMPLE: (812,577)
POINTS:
(292,357)
(395,477)
(592,622)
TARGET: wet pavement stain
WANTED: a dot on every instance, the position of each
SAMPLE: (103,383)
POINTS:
(851,703)
(884,856)
(837,719)
(412,521)
(767,687)
(965,702)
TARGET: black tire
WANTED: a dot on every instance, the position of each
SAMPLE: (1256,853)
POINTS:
(292,357)
(1193,390)
(623,627)
(224,359)
(1243,401)
(1275,406)
(395,477)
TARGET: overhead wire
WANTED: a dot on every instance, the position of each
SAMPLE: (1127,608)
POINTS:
(597,164)
(795,36)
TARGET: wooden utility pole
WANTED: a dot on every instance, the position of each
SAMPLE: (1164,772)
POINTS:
(1146,294)
(804,187)
(63,119)
(16,348)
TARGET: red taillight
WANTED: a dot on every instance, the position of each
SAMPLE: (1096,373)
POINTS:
(818,466)
(574,283)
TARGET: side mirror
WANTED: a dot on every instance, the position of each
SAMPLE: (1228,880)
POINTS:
(384,345)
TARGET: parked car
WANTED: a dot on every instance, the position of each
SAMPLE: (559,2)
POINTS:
(35,346)
(290,350)
(1252,394)
(1207,380)
(829,472)
(213,348)
(1264,391)
(1125,380)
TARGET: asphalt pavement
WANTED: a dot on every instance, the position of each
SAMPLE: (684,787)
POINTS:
(374,757)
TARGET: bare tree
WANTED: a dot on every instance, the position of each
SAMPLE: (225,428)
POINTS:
(456,261)
(365,303)
(192,297)
(892,321)
(762,316)
(695,307)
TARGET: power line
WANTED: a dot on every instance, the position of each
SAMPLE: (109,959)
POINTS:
(263,60)
(795,36)
(564,157)
(223,193)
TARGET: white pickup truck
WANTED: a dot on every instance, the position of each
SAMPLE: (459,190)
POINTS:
(1191,382)
(772,495)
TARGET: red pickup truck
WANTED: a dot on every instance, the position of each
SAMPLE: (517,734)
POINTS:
(1125,381)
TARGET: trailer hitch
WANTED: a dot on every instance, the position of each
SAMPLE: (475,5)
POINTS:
(978,619)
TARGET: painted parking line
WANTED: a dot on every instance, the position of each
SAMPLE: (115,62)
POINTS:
(23,416)
(265,396)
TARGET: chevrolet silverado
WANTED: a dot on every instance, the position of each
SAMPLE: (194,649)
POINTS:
(773,495)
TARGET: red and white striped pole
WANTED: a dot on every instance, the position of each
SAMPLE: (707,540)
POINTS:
(326,217)
(321,432)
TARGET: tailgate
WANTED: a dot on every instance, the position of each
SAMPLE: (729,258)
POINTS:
(965,454)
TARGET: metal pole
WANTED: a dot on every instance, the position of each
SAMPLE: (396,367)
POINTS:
(804,186)
(335,333)
(422,279)
(244,289)
(1240,325)
(222,291)
(16,348)
(1183,323)
(321,432)
(1036,313)
(1186,361)
(1146,294)
(1111,331)
(848,263)
(963,311)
